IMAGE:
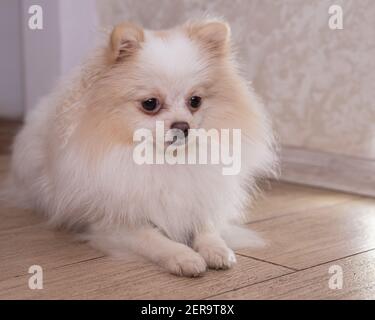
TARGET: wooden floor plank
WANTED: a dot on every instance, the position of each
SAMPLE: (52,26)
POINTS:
(23,247)
(110,279)
(358,282)
(280,198)
(12,218)
(315,236)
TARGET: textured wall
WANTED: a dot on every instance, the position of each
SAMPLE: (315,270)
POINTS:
(318,83)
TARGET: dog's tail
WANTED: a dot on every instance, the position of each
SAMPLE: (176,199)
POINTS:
(238,237)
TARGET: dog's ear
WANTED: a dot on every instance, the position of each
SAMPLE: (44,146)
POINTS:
(213,35)
(126,39)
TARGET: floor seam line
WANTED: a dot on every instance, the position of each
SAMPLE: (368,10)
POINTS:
(344,257)
(55,268)
(290,273)
(266,261)
(252,284)
(299,212)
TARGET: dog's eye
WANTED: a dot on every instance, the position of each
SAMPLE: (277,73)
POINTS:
(151,105)
(195,102)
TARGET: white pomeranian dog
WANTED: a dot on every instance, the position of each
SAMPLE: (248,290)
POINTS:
(73,159)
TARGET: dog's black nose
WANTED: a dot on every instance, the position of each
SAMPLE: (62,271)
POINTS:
(183,126)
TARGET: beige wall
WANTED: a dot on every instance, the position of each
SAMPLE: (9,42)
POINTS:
(319,84)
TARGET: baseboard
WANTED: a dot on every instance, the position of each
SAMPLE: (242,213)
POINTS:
(328,170)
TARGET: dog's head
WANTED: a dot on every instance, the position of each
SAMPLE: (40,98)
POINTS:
(185,77)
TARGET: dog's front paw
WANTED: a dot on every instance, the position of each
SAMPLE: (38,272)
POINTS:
(189,264)
(218,257)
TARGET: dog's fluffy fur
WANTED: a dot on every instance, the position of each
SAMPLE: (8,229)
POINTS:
(73,158)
